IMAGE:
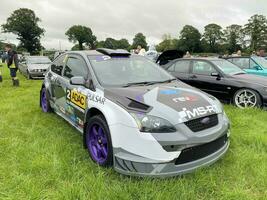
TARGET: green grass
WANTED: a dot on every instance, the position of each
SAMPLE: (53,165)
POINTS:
(42,157)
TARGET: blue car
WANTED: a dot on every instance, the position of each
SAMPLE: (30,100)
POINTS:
(252,65)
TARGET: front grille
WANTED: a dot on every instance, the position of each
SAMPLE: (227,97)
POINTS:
(203,123)
(201,151)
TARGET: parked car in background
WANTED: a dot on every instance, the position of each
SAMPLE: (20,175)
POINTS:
(134,115)
(252,65)
(34,66)
(222,79)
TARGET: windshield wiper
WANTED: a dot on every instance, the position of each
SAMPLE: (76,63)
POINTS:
(149,82)
(166,81)
(137,83)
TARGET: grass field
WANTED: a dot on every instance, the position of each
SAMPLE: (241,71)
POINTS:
(42,157)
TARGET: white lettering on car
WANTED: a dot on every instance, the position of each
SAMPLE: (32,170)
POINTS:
(200,111)
(96,98)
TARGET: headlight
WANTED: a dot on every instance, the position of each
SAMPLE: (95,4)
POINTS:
(217,102)
(152,124)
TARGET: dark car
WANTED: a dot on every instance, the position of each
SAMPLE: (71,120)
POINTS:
(222,79)
(252,65)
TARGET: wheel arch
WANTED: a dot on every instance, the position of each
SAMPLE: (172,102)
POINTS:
(90,113)
(241,88)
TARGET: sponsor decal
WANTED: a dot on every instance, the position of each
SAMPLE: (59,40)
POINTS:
(198,112)
(102,58)
(80,122)
(96,98)
(76,98)
(169,92)
(62,110)
(185,98)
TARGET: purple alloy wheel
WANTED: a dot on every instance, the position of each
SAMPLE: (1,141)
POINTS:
(97,143)
(44,101)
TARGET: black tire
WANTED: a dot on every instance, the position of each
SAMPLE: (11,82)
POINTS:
(101,122)
(1,78)
(255,100)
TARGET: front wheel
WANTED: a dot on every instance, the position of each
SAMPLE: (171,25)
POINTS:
(98,141)
(45,101)
(246,98)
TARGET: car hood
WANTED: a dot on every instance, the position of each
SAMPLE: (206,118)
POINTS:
(252,79)
(38,66)
(176,102)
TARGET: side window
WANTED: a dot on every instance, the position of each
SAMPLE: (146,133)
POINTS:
(203,68)
(171,68)
(57,65)
(252,64)
(182,66)
(243,63)
(75,66)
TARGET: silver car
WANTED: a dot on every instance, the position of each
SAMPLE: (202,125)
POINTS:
(34,66)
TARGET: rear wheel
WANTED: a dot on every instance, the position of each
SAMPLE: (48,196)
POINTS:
(98,141)
(45,101)
(246,98)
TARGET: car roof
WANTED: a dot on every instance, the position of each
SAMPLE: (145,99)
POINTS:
(202,58)
(239,57)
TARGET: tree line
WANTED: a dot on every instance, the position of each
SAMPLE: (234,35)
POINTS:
(249,37)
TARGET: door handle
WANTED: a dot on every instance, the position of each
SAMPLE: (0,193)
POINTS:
(193,76)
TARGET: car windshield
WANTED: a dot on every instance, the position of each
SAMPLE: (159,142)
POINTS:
(261,61)
(126,71)
(39,60)
(228,68)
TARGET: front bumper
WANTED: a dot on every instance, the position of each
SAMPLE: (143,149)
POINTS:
(166,169)
(37,75)
(179,153)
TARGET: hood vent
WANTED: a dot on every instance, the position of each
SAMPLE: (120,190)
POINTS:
(137,105)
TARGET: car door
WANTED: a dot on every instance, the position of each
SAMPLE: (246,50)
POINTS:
(73,102)
(55,78)
(255,68)
(203,75)
(23,66)
(180,69)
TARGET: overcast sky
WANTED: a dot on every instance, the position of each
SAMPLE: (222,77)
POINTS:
(124,18)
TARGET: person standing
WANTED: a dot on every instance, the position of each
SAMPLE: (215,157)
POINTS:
(12,63)
(1,65)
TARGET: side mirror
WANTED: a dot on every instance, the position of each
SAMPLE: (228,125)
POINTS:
(257,67)
(215,74)
(77,80)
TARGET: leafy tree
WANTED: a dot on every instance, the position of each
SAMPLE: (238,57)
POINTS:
(168,43)
(123,44)
(256,30)
(76,47)
(111,43)
(139,39)
(82,35)
(189,39)
(213,35)
(24,23)
(234,37)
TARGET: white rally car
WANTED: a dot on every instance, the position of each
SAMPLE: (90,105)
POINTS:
(133,115)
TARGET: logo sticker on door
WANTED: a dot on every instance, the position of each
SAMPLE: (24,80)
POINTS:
(76,98)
